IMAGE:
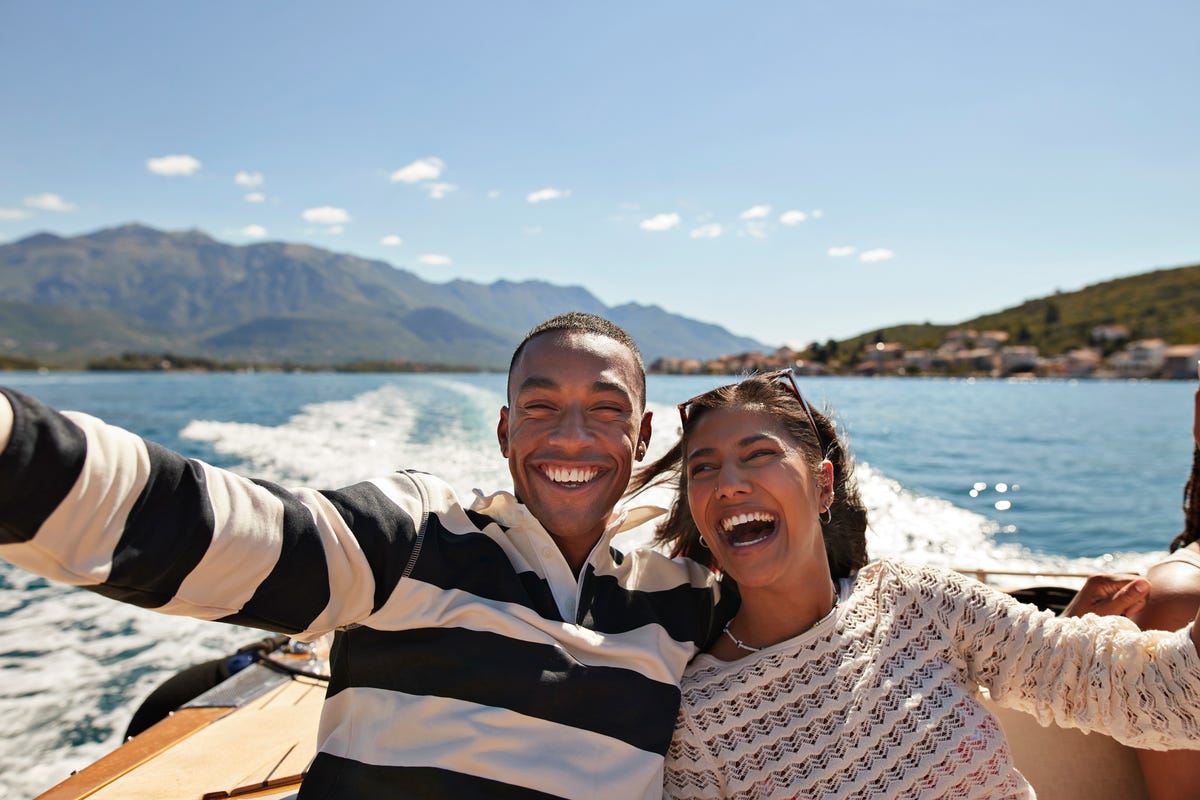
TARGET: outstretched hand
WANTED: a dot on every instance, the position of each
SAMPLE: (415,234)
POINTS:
(1118,594)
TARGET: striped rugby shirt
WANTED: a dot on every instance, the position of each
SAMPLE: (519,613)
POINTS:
(469,661)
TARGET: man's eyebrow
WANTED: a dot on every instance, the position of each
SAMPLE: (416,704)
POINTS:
(536,382)
(543,382)
(610,386)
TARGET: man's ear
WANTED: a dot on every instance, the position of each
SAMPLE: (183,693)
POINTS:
(644,436)
(502,431)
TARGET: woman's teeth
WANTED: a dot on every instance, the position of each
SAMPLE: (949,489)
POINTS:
(750,528)
(729,523)
(749,542)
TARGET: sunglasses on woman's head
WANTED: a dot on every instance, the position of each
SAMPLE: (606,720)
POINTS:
(778,375)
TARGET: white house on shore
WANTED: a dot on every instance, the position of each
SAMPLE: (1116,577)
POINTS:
(1141,359)
(1181,360)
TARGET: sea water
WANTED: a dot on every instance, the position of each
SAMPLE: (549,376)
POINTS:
(1036,475)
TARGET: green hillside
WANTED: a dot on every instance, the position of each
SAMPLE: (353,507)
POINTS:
(1163,304)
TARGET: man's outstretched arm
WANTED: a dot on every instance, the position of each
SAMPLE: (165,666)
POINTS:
(93,505)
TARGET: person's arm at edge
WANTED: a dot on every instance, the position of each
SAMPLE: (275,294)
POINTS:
(1196,420)
(306,526)
(1118,594)
(6,421)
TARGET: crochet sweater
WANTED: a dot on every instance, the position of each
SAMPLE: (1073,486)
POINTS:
(878,699)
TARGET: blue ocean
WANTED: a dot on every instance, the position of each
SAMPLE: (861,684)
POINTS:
(1057,476)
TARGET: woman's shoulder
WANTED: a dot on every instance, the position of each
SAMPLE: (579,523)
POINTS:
(923,584)
(897,569)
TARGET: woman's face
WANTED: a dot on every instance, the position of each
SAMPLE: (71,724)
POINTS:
(753,496)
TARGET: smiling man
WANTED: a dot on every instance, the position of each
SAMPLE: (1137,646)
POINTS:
(575,423)
(498,650)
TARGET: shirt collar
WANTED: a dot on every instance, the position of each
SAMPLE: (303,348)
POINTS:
(509,512)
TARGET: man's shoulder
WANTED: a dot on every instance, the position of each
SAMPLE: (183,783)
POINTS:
(431,489)
(648,569)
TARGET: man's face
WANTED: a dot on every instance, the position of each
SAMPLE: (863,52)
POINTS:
(575,426)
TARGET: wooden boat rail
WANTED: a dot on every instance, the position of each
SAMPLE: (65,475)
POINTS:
(984,573)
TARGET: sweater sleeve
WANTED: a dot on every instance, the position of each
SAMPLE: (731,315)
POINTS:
(1094,673)
(691,771)
(95,506)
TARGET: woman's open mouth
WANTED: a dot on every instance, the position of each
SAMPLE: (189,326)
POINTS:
(750,528)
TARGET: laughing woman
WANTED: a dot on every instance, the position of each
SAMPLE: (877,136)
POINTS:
(841,679)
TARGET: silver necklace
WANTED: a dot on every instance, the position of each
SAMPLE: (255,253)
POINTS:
(739,644)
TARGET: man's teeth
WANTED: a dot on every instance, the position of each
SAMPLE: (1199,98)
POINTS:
(729,523)
(571,474)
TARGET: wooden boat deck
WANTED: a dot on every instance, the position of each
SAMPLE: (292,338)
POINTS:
(205,753)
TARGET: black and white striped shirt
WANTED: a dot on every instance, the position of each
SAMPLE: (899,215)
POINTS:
(468,662)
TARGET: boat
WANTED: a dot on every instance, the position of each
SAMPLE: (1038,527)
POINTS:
(250,736)
(254,735)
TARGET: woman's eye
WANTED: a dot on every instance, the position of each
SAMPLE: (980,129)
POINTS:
(760,454)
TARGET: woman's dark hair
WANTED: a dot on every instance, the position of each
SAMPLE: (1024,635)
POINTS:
(845,533)
(1191,506)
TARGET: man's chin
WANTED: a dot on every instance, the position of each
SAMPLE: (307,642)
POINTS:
(581,521)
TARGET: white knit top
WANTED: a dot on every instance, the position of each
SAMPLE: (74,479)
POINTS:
(878,699)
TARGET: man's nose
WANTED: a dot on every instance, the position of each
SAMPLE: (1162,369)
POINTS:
(573,427)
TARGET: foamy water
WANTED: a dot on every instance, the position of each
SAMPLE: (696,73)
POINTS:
(75,665)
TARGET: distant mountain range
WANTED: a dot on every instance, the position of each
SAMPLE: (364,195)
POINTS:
(135,288)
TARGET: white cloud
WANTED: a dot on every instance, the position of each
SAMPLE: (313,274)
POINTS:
(792,217)
(253,231)
(48,201)
(549,193)
(493,194)
(878,254)
(439,190)
(755,212)
(173,165)
(532,230)
(248,179)
(326,215)
(14,213)
(660,222)
(845,250)
(423,169)
(754,229)
(710,231)
(391,240)
(434,260)
(817,213)
(255,197)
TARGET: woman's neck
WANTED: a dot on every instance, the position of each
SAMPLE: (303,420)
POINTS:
(768,616)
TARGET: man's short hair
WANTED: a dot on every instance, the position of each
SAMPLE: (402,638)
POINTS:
(584,322)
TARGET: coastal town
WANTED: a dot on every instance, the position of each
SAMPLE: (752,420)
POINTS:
(966,352)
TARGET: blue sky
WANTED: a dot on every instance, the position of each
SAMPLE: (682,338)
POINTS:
(793,171)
